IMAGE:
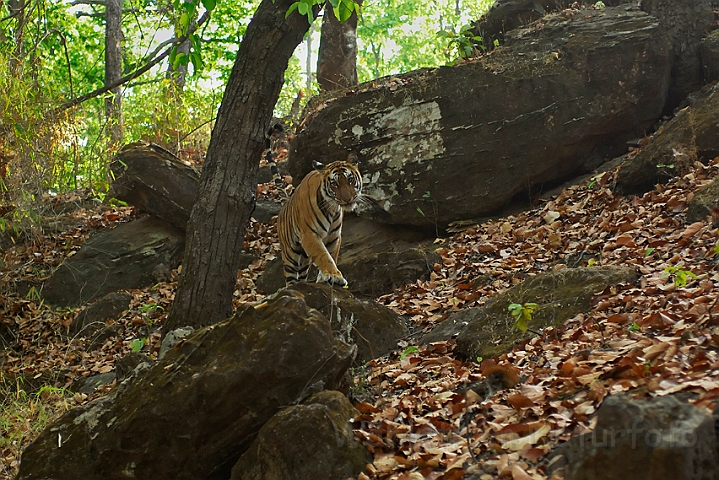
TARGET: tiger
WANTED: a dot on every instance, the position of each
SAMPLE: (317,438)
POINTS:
(309,225)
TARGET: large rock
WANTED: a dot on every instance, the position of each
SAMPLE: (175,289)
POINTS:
(686,23)
(662,438)
(132,255)
(93,318)
(704,203)
(191,415)
(155,181)
(693,134)
(374,328)
(709,56)
(455,143)
(488,331)
(506,15)
(310,441)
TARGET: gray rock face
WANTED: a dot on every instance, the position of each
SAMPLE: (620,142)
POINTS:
(488,331)
(310,441)
(92,318)
(661,438)
(692,135)
(155,181)
(132,255)
(686,22)
(456,143)
(374,328)
(704,203)
(709,56)
(196,411)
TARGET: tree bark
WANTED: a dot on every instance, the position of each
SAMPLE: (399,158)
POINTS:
(229,178)
(113,68)
(17,10)
(337,59)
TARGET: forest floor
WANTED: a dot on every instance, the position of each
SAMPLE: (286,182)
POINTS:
(656,337)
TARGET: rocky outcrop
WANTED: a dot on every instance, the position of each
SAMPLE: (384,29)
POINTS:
(132,255)
(374,328)
(488,331)
(93,318)
(506,15)
(705,203)
(709,56)
(636,440)
(309,441)
(455,143)
(192,414)
(155,181)
(686,23)
(692,135)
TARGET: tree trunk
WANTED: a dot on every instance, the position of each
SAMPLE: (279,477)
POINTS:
(179,75)
(337,60)
(113,68)
(229,178)
(17,10)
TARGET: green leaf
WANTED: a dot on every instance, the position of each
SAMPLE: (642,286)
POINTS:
(184,22)
(302,8)
(407,351)
(292,8)
(521,323)
(196,60)
(209,5)
(137,344)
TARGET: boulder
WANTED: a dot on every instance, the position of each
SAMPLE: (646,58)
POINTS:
(661,438)
(454,143)
(193,413)
(309,441)
(506,15)
(488,331)
(132,255)
(686,23)
(693,134)
(374,328)
(704,203)
(155,181)
(709,56)
(94,317)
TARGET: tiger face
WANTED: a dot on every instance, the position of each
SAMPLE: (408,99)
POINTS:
(344,183)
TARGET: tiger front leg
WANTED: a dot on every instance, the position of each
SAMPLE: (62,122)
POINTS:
(328,271)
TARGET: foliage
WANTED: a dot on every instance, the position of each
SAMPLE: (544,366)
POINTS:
(464,41)
(522,314)
(680,273)
(342,9)
(24,415)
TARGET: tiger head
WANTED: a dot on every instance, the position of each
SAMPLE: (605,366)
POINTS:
(342,182)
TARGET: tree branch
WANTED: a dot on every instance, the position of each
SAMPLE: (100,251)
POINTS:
(131,76)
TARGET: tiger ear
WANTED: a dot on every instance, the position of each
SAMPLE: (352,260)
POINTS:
(317,165)
(352,157)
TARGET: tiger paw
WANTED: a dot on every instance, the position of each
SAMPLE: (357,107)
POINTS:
(332,279)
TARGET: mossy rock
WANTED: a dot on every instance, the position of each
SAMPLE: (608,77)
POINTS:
(488,331)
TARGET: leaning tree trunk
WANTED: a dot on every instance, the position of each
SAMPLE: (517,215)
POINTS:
(113,68)
(337,58)
(229,178)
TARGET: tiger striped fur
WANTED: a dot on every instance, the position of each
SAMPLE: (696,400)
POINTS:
(310,223)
